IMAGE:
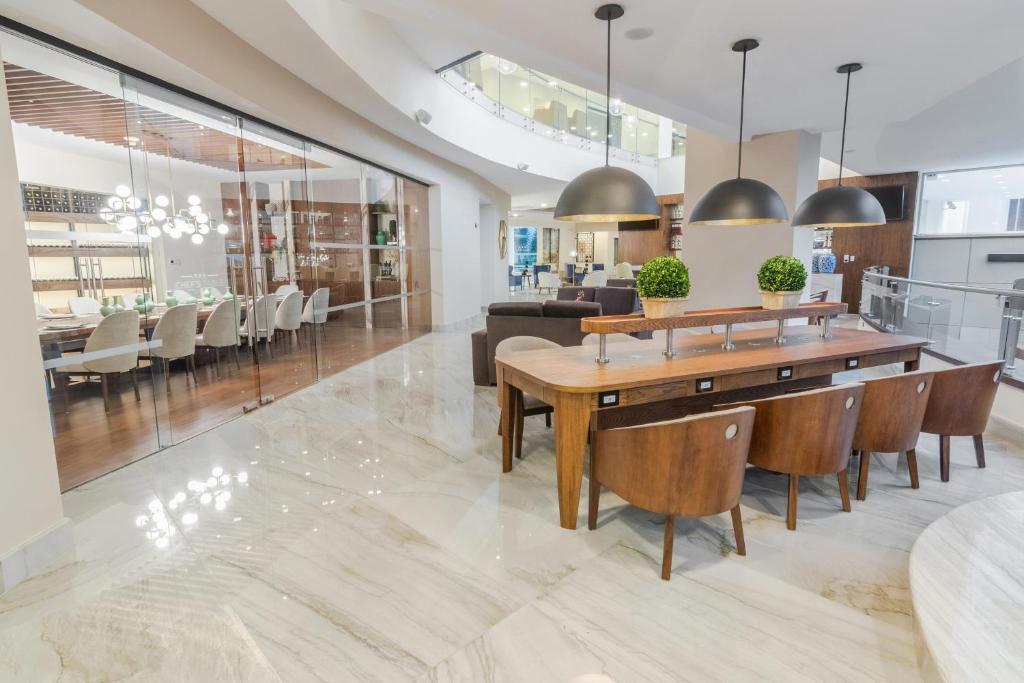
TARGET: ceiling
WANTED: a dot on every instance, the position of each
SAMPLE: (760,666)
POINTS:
(915,52)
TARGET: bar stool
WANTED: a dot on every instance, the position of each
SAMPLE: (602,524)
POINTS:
(959,405)
(691,467)
(807,434)
(890,421)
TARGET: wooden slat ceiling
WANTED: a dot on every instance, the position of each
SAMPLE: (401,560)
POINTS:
(37,99)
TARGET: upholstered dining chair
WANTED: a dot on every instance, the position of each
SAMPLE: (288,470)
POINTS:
(890,421)
(259,321)
(221,331)
(596,278)
(175,333)
(116,330)
(959,405)
(285,290)
(805,435)
(289,315)
(624,271)
(691,467)
(548,280)
(314,313)
(524,406)
(83,305)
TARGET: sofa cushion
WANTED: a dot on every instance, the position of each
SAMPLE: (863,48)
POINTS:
(616,300)
(621,282)
(573,293)
(522,308)
(571,309)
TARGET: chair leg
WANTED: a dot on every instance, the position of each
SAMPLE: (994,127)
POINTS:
(979,450)
(165,364)
(238,366)
(737,530)
(104,386)
(547,420)
(666,552)
(912,466)
(844,489)
(944,457)
(517,429)
(794,486)
(862,479)
(134,372)
(65,391)
(594,499)
(192,366)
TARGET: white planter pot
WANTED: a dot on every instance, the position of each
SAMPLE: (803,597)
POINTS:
(663,308)
(774,301)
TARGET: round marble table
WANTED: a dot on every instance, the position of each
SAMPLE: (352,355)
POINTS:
(967,586)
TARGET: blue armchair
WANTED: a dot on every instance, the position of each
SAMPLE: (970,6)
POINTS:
(514,279)
(540,268)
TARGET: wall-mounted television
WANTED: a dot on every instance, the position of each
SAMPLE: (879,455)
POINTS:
(651,224)
(892,198)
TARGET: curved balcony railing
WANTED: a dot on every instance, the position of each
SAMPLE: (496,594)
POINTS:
(561,111)
(964,323)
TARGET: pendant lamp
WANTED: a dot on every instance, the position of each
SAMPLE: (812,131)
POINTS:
(841,206)
(608,193)
(740,201)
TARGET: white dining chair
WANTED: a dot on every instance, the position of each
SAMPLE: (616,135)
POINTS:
(83,305)
(259,322)
(624,271)
(42,309)
(549,281)
(116,330)
(285,290)
(221,331)
(176,334)
(597,278)
(289,315)
(314,313)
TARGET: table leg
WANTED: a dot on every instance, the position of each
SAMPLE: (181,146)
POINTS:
(508,401)
(912,365)
(572,422)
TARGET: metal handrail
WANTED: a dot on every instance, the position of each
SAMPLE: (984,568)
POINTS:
(946,285)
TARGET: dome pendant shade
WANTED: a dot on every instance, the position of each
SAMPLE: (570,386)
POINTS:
(607,194)
(840,206)
(740,201)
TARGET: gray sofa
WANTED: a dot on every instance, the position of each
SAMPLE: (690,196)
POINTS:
(558,321)
(613,300)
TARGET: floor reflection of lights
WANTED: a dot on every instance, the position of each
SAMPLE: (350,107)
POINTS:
(208,496)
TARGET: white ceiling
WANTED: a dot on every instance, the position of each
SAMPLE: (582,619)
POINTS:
(915,52)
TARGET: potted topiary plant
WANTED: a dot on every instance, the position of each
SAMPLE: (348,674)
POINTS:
(781,280)
(663,285)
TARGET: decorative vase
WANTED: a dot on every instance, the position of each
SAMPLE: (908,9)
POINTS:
(381,237)
(140,303)
(106,309)
(655,307)
(118,307)
(207,297)
(228,296)
(774,301)
(170,300)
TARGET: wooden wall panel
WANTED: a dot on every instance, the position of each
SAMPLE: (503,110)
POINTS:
(639,246)
(881,245)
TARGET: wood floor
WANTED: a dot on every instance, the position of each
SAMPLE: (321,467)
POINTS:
(90,442)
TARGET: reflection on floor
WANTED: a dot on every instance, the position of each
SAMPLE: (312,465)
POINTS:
(90,442)
(361,529)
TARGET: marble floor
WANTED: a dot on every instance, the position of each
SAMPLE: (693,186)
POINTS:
(361,529)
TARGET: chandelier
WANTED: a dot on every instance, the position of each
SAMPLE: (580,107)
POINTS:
(123,211)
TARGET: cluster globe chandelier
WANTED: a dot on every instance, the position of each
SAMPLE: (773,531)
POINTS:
(123,211)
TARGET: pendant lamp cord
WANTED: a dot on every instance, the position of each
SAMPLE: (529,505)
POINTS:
(608,94)
(743,93)
(842,144)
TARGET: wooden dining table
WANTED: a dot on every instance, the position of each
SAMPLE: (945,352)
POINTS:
(642,385)
(52,331)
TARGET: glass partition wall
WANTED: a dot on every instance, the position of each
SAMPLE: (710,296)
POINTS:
(189,264)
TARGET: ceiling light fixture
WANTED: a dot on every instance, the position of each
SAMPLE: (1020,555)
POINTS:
(740,201)
(608,193)
(841,206)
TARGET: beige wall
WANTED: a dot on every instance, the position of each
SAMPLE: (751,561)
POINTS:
(723,260)
(29,491)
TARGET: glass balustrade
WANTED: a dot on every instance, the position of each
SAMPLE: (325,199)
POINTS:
(964,323)
(561,111)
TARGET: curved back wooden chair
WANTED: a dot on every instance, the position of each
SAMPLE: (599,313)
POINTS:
(115,330)
(221,330)
(176,332)
(691,467)
(528,405)
(807,434)
(959,405)
(890,421)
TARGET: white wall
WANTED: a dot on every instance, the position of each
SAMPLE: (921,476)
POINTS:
(723,260)
(29,491)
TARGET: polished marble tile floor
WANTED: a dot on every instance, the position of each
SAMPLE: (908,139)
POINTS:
(361,529)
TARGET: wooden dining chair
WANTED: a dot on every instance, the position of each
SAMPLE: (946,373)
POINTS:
(119,329)
(890,421)
(524,406)
(691,467)
(805,435)
(959,405)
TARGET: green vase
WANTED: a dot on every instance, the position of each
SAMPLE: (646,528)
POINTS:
(228,296)
(170,300)
(106,309)
(207,297)
(118,306)
(381,237)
